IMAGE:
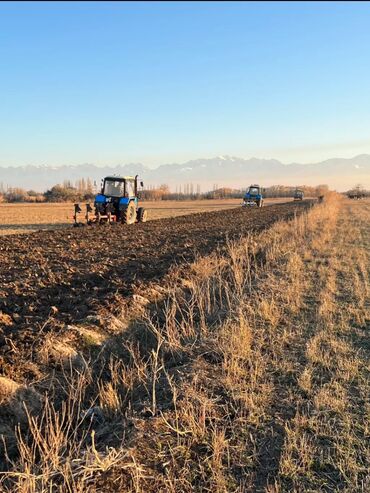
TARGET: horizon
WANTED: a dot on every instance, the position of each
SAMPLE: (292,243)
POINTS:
(167,82)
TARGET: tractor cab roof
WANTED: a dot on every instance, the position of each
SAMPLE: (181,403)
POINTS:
(120,178)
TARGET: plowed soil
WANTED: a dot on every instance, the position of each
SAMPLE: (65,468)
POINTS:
(61,277)
(26,217)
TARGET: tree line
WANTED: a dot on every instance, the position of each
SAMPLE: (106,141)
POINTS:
(85,190)
(358,192)
(82,190)
(185,193)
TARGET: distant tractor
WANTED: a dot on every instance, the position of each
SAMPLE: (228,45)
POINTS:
(116,203)
(298,194)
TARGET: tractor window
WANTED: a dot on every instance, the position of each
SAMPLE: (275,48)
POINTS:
(253,190)
(130,188)
(114,188)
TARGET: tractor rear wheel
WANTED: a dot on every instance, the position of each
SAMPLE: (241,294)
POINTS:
(128,215)
(142,215)
(259,202)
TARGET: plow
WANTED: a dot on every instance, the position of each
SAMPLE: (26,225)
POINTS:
(117,202)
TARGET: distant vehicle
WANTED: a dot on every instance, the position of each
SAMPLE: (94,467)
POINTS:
(253,196)
(298,194)
(116,203)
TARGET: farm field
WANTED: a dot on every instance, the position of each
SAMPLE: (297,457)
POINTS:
(23,218)
(78,271)
(225,351)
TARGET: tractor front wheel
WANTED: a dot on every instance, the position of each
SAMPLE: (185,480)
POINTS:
(142,215)
(128,215)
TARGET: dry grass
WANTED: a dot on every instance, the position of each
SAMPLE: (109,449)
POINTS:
(24,218)
(251,377)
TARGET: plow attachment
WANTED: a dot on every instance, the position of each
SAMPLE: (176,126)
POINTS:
(249,203)
(91,217)
(107,216)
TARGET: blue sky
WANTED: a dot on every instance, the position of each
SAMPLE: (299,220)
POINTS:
(110,83)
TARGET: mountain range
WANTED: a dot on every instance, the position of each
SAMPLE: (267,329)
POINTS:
(229,171)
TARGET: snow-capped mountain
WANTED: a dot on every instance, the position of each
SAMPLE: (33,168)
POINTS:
(340,174)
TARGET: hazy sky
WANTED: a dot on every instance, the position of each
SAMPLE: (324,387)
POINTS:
(110,83)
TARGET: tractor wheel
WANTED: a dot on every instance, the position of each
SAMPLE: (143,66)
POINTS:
(259,203)
(128,215)
(142,215)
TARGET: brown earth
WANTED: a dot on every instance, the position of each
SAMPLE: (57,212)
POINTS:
(25,218)
(50,279)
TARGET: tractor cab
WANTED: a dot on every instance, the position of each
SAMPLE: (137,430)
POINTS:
(119,187)
(253,196)
(117,202)
(118,191)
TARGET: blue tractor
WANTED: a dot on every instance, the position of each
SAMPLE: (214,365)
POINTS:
(253,197)
(116,203)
